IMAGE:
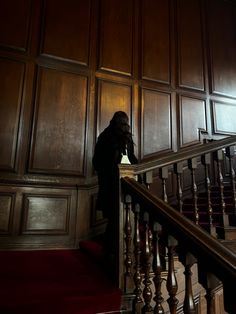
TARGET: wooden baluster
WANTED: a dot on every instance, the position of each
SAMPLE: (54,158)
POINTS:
(164,176)
(192,164)
(148,179)
(178,168)
(172,285)
(150,241)
(147,292)
(157,267)
(128,237)
(206,161)
(189,304)
(212,282)
(137,254)
(218,155)
(230,155)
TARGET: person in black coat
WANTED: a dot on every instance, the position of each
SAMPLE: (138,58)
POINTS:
(112,143)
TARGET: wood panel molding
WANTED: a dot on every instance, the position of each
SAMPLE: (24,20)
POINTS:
(72,21)
(11,79)
(45,214)
(190,45)
(33,217)
(156,122)
(193,120)
(222,47)
(59,129)
(224,117)
(156,48)
(96,216)
(7,203)
(66,66)
(15,28)
(112,97)
(116,36)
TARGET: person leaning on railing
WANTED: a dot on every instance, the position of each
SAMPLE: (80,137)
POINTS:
(113,143)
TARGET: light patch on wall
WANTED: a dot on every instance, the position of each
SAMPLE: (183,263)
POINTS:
(224,118)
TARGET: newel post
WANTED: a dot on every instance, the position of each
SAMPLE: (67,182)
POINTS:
(125,230)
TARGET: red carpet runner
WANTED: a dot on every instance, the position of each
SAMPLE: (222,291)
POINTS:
(55,282)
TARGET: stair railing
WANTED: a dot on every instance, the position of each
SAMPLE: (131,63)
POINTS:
(211,157)
(212,257)
(141,268)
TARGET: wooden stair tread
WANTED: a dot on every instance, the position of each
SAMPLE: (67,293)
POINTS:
(230,244)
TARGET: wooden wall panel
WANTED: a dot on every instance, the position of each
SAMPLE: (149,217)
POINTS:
(33,216)
(112,97)
(14,24)
(192,120)
(67,30)
(222,47)
(45,214)
(60,123)
(156,122)
(7,201)
(66,66)
(11,93)
(96,215)
(224,117)
(116,31)
(190,43)
(156,40)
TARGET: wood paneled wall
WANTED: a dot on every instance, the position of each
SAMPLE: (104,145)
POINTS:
(66,66)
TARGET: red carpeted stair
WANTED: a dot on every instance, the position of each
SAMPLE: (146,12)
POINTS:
(56,281)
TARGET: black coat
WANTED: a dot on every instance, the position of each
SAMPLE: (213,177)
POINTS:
(110,146)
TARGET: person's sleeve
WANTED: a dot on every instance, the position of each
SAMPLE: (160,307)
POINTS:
(132,158)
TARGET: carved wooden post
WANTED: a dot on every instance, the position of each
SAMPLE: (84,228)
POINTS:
(172,285)
(157,267)
(128,239)
(219,157)
(137,253)
(147,292)
(124,236)
(164,176)
(178,168)
(192,164)
(230,155)
(206,161)
(189,304)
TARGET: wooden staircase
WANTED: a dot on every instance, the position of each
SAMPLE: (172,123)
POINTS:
(220,229)
(196,230)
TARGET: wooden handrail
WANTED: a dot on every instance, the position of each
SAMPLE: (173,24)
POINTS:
(215,257)
(184,154)
(212,257)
